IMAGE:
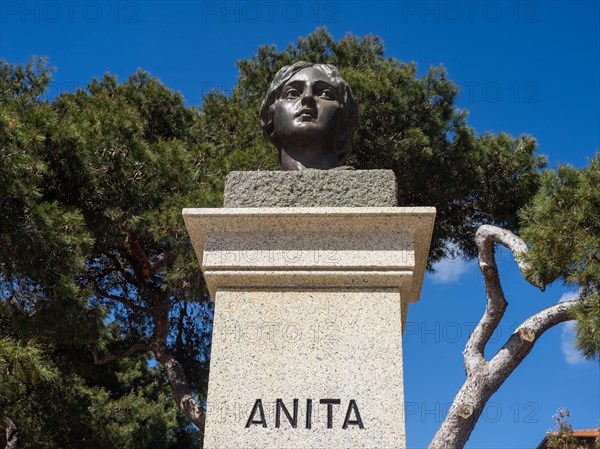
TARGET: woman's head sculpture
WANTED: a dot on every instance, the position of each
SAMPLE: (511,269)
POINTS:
(309,114)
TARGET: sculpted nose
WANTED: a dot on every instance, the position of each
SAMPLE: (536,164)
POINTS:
(308,98)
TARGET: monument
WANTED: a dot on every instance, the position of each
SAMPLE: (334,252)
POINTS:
(311,270)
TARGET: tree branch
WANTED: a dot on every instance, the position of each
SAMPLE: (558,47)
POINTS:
(165,258)
(128,277)
(139,255)
(485,239)
(138,347)
(524,337)
(473,354)
(487,235)
(99,290)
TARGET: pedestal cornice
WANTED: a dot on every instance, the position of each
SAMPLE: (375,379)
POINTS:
(313,247)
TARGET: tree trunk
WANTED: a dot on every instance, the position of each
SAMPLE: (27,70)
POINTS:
(156,305)
(182,392)
(485,377)
(11,434)
(463,414)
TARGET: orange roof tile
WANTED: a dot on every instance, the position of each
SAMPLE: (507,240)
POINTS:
(586,433)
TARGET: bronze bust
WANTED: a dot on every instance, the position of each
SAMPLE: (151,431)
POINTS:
(309,114)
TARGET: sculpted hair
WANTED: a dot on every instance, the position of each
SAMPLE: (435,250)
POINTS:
(347,101)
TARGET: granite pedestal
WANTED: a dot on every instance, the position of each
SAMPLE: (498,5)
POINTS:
(309,306)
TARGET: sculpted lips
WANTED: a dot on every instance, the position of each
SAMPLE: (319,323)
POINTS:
(306,113)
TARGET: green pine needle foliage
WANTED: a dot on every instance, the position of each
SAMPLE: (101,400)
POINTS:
(79,176)
(562,225)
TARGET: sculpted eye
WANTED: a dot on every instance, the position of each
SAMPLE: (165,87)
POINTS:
(327,94)
(291,93)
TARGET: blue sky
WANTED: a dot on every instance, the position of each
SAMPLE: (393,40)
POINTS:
(524,67)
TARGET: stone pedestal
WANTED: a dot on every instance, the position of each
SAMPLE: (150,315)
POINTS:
(309,306)
(311,188)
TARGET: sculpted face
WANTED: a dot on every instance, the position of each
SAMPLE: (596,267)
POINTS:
(308,110)
(309,114)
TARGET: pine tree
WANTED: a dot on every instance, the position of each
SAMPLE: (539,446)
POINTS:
(51,318)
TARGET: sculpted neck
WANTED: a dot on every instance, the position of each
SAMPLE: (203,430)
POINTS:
(308,157)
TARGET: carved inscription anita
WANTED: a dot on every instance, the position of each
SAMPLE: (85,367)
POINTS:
(257,415)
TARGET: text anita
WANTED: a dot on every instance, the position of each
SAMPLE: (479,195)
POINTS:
(257,415)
